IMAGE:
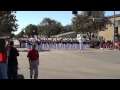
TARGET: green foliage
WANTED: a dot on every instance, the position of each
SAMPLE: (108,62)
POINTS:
(49,27)
(12,35)
(84,23)
(8,22)
(81,24)
(67,28)
(31,30)
(19,35)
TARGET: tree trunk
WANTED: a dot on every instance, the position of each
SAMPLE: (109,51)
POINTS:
(90,35)
(49,34)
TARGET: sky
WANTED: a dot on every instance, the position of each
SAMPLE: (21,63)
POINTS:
(35,17)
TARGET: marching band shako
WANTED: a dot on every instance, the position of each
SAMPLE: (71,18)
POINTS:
(2,45)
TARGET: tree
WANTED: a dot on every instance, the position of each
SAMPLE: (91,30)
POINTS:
(81,23)
(98,19)
(20,35)
(85,22)
(31,29)
(67,28)
(49,27)
(8,22)
(12,35)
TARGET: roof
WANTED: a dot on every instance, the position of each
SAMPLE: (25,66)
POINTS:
(65,34)
(112,16)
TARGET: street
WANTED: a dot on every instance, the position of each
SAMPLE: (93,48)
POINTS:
(71,64)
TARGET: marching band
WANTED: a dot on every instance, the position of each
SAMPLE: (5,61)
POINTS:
(54,43)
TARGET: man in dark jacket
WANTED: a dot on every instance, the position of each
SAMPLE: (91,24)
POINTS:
(12,62)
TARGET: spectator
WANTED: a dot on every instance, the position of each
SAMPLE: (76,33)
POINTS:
(33,57)
(12,62)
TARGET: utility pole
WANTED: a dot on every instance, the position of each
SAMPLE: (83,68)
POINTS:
(114,29)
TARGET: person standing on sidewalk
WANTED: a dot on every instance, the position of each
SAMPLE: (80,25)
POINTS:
(33,56)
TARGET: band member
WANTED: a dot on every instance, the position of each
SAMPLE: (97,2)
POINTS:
(80,39)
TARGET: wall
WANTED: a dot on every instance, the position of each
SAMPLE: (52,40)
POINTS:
(109,33)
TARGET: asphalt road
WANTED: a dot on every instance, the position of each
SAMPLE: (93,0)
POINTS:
(91,64)
(72,64)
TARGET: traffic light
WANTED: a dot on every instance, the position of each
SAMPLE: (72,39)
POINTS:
(74,12)
(116,29)
(116,34)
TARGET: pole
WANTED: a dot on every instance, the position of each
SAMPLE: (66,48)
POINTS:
(114,28)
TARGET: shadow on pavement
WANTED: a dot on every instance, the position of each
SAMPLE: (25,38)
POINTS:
(27,50)
(20,76)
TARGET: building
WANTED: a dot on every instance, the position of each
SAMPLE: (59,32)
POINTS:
(108,34)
